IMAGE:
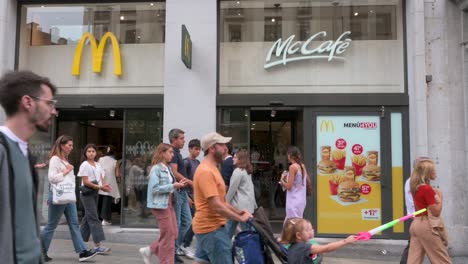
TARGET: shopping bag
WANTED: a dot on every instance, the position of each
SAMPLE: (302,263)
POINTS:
(64,191)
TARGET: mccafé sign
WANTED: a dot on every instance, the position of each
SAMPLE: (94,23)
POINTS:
(327,125)
(97,53)
(290,50)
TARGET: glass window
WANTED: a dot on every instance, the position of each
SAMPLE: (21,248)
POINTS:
(311,47)
(65,24)
(372,21)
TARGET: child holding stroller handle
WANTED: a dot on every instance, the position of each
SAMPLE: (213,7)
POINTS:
(297,237)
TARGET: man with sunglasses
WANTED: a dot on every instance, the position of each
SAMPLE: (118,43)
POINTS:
(29,106)
(409,207)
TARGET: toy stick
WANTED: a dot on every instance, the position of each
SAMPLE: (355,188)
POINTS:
(367,235)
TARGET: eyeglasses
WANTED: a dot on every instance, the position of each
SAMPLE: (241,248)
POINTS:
(51,102)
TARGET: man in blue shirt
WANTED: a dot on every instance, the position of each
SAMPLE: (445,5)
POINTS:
(28,101)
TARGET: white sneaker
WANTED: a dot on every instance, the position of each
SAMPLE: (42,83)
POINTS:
(188,252)
(106,223)
(146,254)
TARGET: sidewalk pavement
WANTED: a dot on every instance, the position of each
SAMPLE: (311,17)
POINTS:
(125,243)
(61,251)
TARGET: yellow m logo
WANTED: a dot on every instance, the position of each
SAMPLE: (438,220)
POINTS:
(327,124)
(97,52)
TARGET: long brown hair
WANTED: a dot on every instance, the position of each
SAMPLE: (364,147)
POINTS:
(158,153)
(56,148)
(421,174)
(243,161)
(291,227)
(295,154)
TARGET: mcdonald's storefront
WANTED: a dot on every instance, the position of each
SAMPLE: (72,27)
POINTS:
(328,78)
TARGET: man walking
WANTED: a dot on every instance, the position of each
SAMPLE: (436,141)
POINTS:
(213,241)
(228,164)
(182,208)
(29,106)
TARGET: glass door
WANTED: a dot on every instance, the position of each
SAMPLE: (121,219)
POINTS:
(142,133)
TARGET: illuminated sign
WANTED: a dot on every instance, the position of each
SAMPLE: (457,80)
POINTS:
(284,51)
(186,48)
(328,124)
(97,52)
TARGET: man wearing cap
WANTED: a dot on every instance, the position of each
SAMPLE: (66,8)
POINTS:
(213,241)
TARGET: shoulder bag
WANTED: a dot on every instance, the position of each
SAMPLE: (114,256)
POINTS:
(64,191)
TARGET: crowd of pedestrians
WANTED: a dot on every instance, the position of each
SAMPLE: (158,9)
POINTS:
(207,199)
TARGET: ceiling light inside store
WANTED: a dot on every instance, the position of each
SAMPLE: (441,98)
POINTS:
(253,124)
(356,14)
(252,128)
(151,4)
(122,18)
(273,20)
(273,113)
(112,113)
(238,14)
(371,11)
(238,2)
(42,6)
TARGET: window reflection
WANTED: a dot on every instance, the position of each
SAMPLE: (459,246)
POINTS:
(64,25)
(263,21)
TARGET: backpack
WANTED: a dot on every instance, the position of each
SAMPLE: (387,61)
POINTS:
(248,247)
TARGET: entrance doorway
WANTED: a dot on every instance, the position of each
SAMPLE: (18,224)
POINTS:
(266,132)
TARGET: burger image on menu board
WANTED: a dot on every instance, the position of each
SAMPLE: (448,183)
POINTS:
(349,191)
(371,172)
(326,166)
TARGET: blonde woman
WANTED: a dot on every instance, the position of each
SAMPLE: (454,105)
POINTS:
(425,238)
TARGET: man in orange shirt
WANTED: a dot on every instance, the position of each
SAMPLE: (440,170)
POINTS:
(213,241)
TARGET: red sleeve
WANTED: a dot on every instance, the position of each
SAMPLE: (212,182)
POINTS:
(428,194)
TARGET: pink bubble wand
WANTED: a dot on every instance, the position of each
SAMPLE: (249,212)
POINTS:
(367,235)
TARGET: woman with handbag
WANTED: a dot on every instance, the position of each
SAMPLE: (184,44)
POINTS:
(92,175)
(296,181)
(62,199)
(428,235)
(241,193)
(161,186)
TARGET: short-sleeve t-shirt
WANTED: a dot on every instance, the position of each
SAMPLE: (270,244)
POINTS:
(424,197)
(300,253)
(207,183)
(177,159)
(94,173)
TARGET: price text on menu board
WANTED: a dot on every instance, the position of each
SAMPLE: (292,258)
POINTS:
(348,173)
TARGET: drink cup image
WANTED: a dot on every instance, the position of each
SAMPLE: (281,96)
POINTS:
(358,161)
(325,151)
(349,173)
(372,157)
(339,157)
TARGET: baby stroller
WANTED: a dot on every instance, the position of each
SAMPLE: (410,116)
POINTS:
(266,244)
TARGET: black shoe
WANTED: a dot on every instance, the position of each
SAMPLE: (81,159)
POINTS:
(86,254)
(177,259)
(47,258)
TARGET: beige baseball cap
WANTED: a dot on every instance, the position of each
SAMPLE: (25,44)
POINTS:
(212,138)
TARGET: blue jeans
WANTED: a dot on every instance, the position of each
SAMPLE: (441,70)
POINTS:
(232,225)
(55,212)
(183,216)
(214,247)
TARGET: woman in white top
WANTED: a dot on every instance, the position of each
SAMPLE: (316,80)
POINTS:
(241,192)
(92,175)
(59,169)
(112,175)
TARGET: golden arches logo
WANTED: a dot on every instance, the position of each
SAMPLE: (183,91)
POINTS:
(327,124)
(97,53)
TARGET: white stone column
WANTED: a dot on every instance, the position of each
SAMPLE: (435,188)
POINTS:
(7,39)
(190,94)
(446,115)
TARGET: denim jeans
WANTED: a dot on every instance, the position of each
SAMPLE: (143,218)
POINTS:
(214,247)
(55,212)
(183,216)
(232,225)
(189,235)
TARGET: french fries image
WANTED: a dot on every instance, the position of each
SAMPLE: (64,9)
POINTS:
(359,161)
(339,157)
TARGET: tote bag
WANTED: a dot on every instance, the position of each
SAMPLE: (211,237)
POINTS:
(64,191)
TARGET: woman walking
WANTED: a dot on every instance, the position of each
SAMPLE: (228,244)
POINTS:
(295,182)
(241,192)
(112,175)
(59,169)
(92,175)
(428,235)
(161,186)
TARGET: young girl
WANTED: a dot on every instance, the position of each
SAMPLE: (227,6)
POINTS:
(426,238)
(93,177)
(298,236)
